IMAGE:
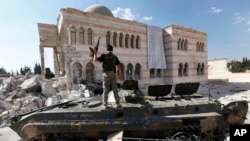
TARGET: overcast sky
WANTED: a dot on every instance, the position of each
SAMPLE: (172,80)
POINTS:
(227,23)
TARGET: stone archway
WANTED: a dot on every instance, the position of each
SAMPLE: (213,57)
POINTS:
(77,73)
(129,72)
(90,72)
(137,71)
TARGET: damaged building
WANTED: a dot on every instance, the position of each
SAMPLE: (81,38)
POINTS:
(149,54)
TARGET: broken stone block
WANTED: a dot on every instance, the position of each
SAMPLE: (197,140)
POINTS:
(24,110)
(60,83)
(15,94)
(4,114)
(51,100)
(2,97)
(12,112)
(17,102)
(25,103)
(73,95)
(86,93)
(33,106)
(39,102)
(47,89)
(16,108)
(5,104)
(1,110)
(32,84)
(19,94)
(18,81)
(5,86)
(62,94)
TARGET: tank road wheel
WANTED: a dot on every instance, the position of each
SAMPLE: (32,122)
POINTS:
(235,112)
(183,136)
(43,137)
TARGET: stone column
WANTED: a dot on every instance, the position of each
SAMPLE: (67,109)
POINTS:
(111,38)
(123,40)
(134,42)
(69,36)
(67,69)
(77,36)
(42,60)
(62,64)
(129,42)
(114,40)
(56,63)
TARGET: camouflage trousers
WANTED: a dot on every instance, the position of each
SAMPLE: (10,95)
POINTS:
(109,80)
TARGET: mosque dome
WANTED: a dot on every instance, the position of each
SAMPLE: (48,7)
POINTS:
(99,9)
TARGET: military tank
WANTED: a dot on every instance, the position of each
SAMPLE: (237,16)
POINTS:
(168,112)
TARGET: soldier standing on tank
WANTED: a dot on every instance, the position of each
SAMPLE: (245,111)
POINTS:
(109,64)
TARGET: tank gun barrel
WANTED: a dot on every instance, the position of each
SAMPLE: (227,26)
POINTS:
(18,117)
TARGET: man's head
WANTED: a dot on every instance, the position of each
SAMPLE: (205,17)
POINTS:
(109,48)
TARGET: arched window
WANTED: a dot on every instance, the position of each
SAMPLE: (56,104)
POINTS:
(180,70)
(77,73)
(198,46)
(137,71)
(108,38)
(137,42)
(81,36)
(202,47)
(90,72)
(158,73)
(126,40)
(129,72)
(73,35)
(120,40)
(185,70)
(179,44)
(114,39)
(202,68)
(90,37)
(186,45)
(198,68)
(152,73)
(182,44)
(132,41)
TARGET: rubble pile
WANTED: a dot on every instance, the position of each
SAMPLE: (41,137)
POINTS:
(22,94)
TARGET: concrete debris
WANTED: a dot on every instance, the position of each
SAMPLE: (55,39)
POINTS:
(23,94)
(47,89)
(6,86)
(32,84)
(52,100)
(5,104)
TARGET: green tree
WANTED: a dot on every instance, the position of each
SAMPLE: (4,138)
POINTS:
(24,70)
(3,71)
(239,66)
(17,73)
(37,69)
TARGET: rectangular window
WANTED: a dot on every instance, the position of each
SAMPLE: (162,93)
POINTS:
(73,37)
(81,38)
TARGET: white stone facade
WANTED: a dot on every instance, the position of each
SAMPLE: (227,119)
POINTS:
(217,69)
(186,54)
(76,30)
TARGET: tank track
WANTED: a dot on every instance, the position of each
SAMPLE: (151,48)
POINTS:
(190,132)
